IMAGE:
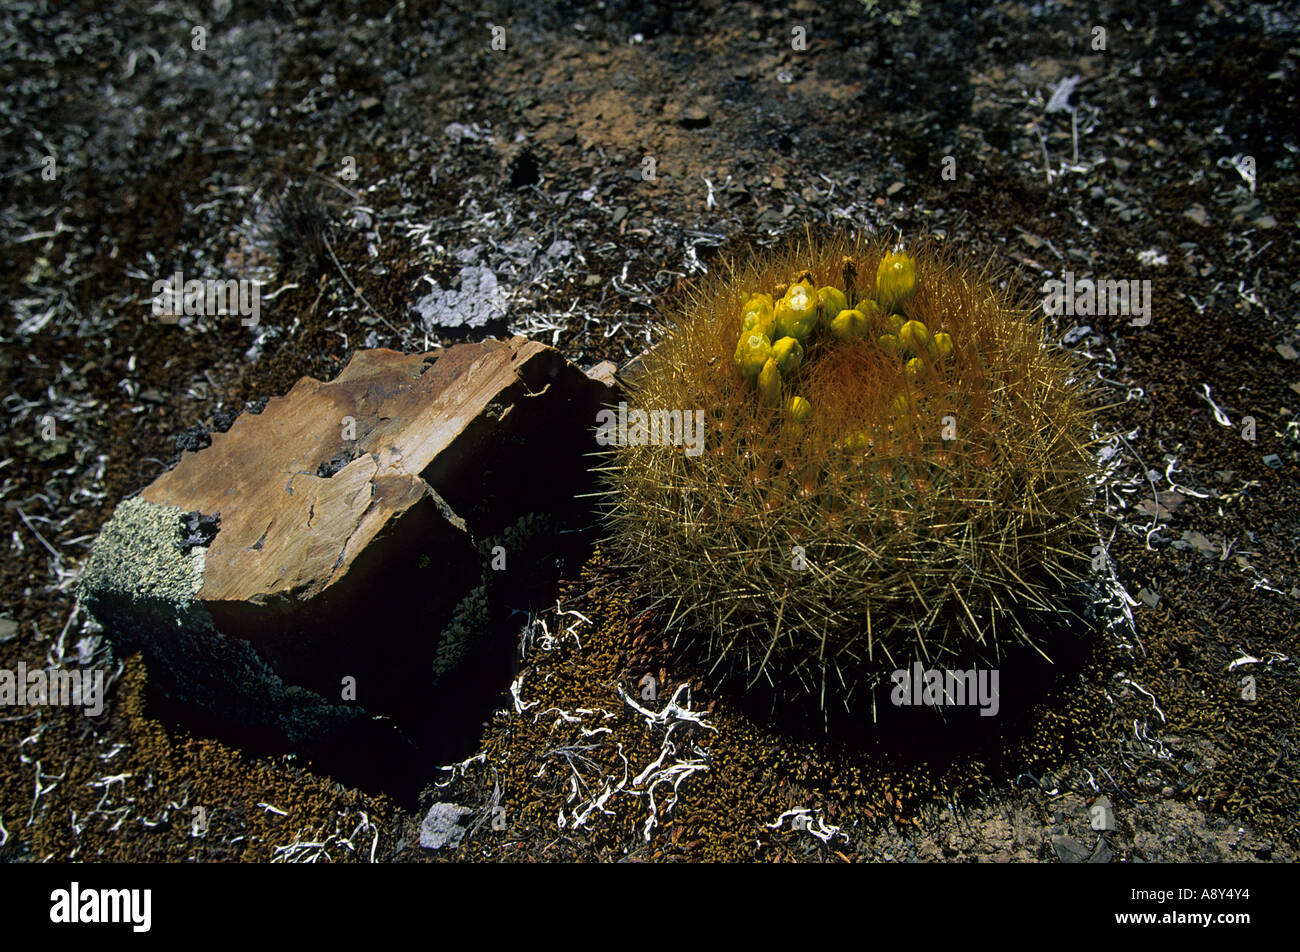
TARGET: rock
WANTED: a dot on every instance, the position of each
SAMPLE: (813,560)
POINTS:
(604,372)
(1101,815)
(693,117)
(1287,351)
(372,106)
(1192,539)
(1069,850)
(476,302)
(1197,214)
(291,609)
(8,630)
(1273,461)
(1103,853)
(442,826)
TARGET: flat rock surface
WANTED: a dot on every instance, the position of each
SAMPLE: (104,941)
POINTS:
(286,531)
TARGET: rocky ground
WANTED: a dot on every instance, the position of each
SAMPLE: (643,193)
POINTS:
(397,180)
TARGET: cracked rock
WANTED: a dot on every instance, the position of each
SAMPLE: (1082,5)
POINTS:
(364,498)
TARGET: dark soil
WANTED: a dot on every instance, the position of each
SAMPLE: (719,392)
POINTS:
(531,161)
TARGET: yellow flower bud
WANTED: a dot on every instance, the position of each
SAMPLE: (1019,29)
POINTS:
(788,354)
(800,410)
(901,403)
(914,337)
(872,312)
(758,314)
(915,368)
(830,301)
(796,313)
(848,325)
(895,279)
(769,384)
(890,343)
(752,352)
(942,346)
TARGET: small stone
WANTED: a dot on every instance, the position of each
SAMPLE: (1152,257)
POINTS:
(1265,222)
(1149,598)
(1197,214)
(442,827)
(693,117)
(1101,815)
(1287,351)
(371,106)
(591,280)
(604,373)
(1069,850)
(8,630)
(1103,853)
(620,213)
(895,188)
(1273,461)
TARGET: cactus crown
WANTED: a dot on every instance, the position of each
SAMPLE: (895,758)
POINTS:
(910,488)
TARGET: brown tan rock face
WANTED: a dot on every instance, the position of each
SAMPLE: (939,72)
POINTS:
(355,519)
(420,429)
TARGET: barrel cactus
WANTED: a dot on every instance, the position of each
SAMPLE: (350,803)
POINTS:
(897,467)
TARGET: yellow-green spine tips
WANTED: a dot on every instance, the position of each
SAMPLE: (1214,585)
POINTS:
(895,279)
(914,337)
(796,313)
(752,352)
(788,354)
(849,324)
(800,410)
(942,346)
(830,301)
(769,384)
